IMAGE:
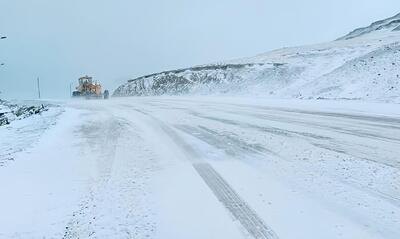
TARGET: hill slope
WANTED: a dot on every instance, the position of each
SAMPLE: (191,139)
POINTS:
(391,23)
(361,65)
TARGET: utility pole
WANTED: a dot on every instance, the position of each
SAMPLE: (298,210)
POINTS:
(2,38)
(70,89)
(38,86)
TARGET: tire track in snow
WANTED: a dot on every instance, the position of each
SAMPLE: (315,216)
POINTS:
(235,205)
(240,210)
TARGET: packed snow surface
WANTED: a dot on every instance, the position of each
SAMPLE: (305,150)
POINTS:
(364,65)
(205,167)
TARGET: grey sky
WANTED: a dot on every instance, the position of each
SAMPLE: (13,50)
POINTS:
(114,40)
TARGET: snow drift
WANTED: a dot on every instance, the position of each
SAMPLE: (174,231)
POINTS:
(361,65)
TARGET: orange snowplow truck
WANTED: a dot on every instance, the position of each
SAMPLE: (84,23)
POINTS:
(88,88)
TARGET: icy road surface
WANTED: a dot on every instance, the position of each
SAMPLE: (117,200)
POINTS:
(180,167)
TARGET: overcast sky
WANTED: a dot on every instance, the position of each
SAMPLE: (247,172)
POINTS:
(114,40)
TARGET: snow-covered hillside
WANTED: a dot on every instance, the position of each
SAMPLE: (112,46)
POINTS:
(361,65)
(392,24)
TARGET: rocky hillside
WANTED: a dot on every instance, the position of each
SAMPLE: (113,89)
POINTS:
(361,65)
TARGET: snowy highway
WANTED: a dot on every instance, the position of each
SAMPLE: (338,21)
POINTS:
(208,167)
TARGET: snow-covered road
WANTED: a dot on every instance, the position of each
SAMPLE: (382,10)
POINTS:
(208,167)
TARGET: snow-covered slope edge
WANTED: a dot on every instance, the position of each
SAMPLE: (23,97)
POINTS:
(362,65)
(391,23)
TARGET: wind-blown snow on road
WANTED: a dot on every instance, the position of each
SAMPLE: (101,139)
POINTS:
(208,167)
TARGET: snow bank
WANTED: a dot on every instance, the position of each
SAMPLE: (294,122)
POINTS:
(21,126)
(10,112)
